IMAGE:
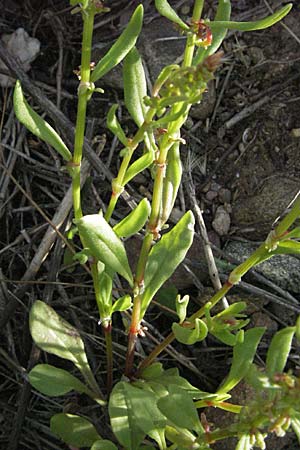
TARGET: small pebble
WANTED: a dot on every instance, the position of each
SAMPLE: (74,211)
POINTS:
(211,195)
(295,132)
(221,222)
(225,195)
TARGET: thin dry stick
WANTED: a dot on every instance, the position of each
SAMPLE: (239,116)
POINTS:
(212,268)
(44,247)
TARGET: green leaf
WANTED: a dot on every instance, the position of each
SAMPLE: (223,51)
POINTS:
(104,445)
(165,9)
(114,126)
(252,26)
(138,166)
(279,350)
(173,406)
(181,306)
(122,304)
(104,299)
(36,125)
(52,381)
(153,371)
(297,328)
(135,87)
(55,335)
(135,221)
(121,47)
(296,425)
(190,336)
(74,430)
(133,414)
(166,255)
(243,355)
(171,182)
(244,443)
(104,244)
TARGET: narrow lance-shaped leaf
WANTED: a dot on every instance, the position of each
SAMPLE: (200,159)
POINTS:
(74,430)
(135,87)
(104,300)
(37,125)
(121,47)
(243,355)
(55,335)
(104,244)
(279,350)
(122,304)
(166,255)
(252,26)
(52,381)
(171,182)
(166,10)
(135,221)
(114,126)
(138,166)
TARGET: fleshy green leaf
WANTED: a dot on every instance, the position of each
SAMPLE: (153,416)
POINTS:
(166,255)
(171,182)
(104,299)
(52,381)
(135,87)
(55,335)
(122,304)
(121,47)
(173,406)
(133,414)
(297,328)
(135,221)
(104,445)
(279,350)
(181,306)
(244,443)
(252,26)
(138,166)
(114,126)
(74,430)
(153,371)
(190,336)
(296,425)
(37,125)
(104,244)
(165,9)
(243,355)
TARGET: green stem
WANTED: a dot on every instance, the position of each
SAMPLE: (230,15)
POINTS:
(88,23)
(190,45)
(119,181)
(109,356)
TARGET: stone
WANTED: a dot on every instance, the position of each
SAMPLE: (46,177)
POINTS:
(260,210)
(283,270)
(22,47)
(221,222)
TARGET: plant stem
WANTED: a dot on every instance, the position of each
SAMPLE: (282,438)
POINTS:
(109,357)
(153,225)
(88,23)
(167,341)
(119,181)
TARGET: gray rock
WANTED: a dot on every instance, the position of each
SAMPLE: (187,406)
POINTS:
(283,270)
(221,222)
